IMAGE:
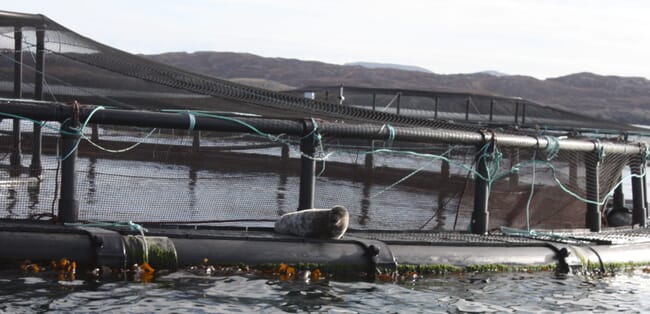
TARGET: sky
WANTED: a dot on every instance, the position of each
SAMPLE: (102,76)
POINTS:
(538,38)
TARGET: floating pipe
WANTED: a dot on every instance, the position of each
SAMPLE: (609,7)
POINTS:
(57,112)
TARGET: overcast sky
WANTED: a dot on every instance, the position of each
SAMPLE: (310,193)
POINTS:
(529,37)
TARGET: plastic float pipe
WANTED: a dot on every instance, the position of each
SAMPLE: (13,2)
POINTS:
(57,112)
(170,252)
(83,249)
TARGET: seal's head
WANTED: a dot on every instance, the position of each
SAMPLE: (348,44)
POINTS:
(339,218)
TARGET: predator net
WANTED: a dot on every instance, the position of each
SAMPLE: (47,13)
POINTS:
(184,176)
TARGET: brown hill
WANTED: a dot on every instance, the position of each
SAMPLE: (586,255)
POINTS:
(625,99)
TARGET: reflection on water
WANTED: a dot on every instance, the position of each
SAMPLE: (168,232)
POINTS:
(182,292)
(142,191)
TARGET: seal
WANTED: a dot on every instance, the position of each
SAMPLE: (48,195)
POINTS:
(315,223)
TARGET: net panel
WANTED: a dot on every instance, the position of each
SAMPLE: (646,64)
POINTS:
(237,178)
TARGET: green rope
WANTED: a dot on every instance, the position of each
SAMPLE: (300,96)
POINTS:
(552,147)
(79,131)
(119,150)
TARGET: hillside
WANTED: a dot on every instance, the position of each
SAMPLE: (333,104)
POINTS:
(625,99)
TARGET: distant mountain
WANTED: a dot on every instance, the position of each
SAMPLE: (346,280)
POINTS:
(493,73)
(375,65)
(624,99)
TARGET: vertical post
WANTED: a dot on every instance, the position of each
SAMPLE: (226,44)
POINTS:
(399,100)
(481,214)
(592,165)
(467,109)
(16,153)
(573,172)
(523,113)
(491,109)
(444,169)
(374,101)
(435,106)
(513,179)
(639,210)
(618,200)
(516,113)
(68,203)
(284,152)
(196,141)
(94,136)
(35,168)
(369,162)
(307,168)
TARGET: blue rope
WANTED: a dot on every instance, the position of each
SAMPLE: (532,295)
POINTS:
(190,128)
(79,131)
(552,147)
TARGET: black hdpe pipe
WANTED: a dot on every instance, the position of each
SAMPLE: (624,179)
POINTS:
(96,248)
(50,111)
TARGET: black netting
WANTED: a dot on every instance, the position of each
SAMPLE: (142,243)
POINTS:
(167,175)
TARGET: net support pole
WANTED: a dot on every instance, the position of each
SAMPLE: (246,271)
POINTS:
(16,153)
(284,152)
(444,169)
(94,136)
(491,110)
(639,210)
(35,168)
(481,214)
(513,179)
(369,162)
(593,218)
(68,203)
(516,113)
(307,168)
(196,141)
(573,172)
(435,106)
(618,200)
(399,101)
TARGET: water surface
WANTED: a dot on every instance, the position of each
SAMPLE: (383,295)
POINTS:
(184,292)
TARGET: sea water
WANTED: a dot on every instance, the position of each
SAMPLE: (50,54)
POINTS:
(184,292)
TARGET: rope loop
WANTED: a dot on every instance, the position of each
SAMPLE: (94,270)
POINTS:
(391,133)
(314,128)
(552,147)
(598,149)
(192,118)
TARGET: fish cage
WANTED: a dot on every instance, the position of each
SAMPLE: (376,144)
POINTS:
(112,159)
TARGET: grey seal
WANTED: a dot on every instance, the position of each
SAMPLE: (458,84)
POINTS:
(315,223)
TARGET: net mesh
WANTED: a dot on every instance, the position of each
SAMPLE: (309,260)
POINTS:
(181,176)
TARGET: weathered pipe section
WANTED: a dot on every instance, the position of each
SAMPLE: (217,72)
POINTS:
(49,111)
(93,247)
